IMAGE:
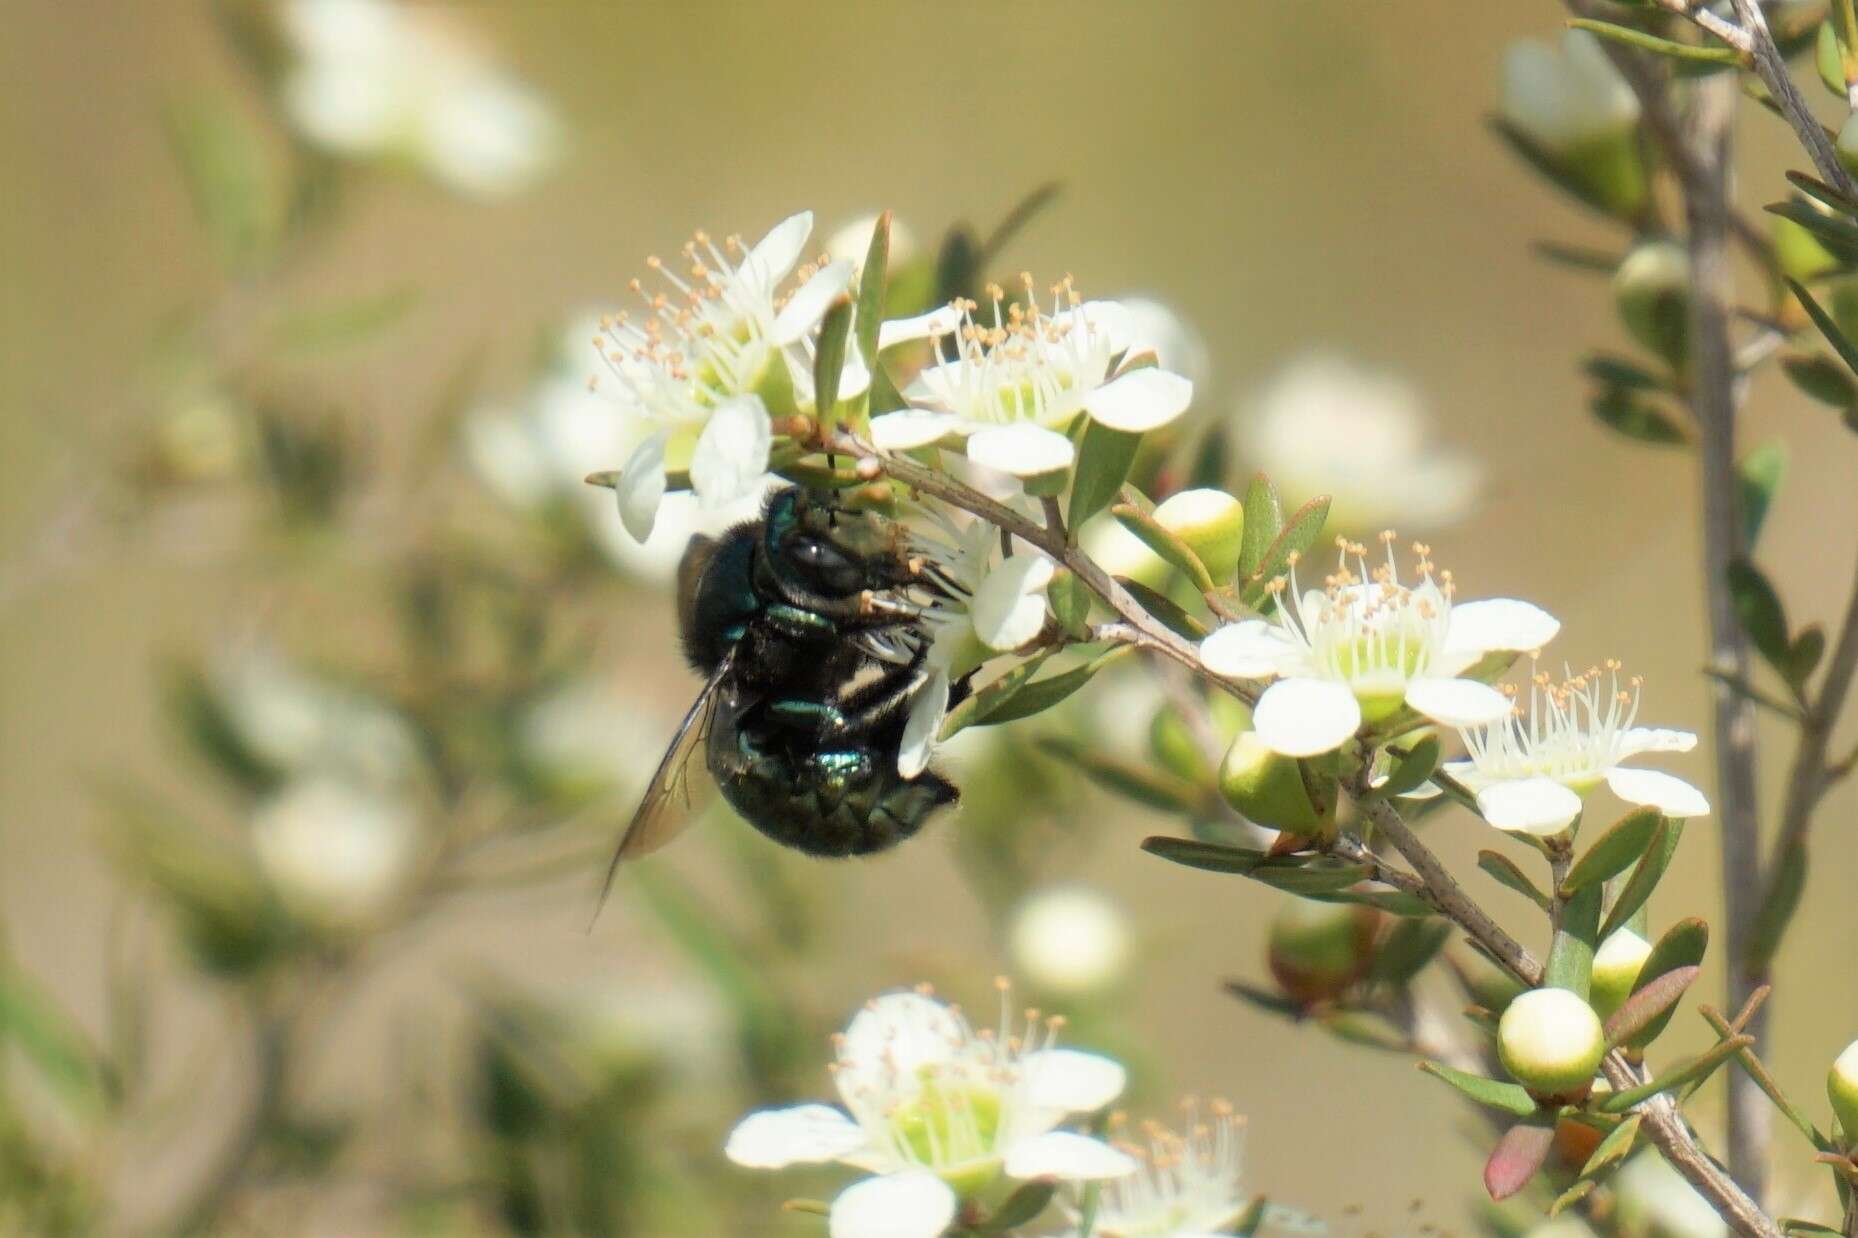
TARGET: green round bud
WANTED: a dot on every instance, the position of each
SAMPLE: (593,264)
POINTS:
(1551,1042)
(1212,523)
(1317,950)
(1174,747)
(1270,788)
(1652,290)
(1616,966)
(1842,1091)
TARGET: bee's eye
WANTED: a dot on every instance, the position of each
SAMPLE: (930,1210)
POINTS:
(823,565)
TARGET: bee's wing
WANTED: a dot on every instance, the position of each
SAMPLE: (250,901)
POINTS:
(665,810)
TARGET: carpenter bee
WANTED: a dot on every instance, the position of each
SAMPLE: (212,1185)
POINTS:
(808,625)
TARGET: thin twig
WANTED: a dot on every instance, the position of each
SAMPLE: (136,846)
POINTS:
(1771,67)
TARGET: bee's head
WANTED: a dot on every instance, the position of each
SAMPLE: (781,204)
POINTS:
(818,547)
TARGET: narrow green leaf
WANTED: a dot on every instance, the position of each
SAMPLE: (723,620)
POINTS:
(1581,1189)
(1175,552)
(1620,847)
(1778,905)
(1194,853)
(1803,655)
(1132,781)
(994,695)
(1658,47)
(1772,1090)
(1813,187)
(1393,902)
(1408,948)
(1510,1098)
(1794,1225)
(1646,1004)
(230,177)
(1264,520)
(871,285)
(1165,609)
(1570,956)
(1370,1031)
(1645,876)
(1268,1000)
(49,1039)
(1103,461)
(1758,477)
(1576,257)
(1298,535)
(1041,694)
(1836,235)
(1508,874)
(1620,410)
(829,359)
(1827,327)
(1822,378)
(1619,372)
(1411,771)
(1022,1207)
(1759,609)
(1251,1219)
(1683,945)
(1696,1069)
(344,323)
(1319,877)
(1616,1147)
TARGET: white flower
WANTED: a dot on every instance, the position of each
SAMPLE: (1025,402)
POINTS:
(991,609)
(338,854)
(376,79)
(590,738)
(937,1111)
(1021,378)
(705,366)
(1364,645)
(1327,426)
(1567,97)
(1190,1185)
(1659,1202)
(1175,341)
(1530,771)
(303,724)
(1069,940)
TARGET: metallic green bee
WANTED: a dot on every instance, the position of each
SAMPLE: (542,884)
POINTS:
(809,626)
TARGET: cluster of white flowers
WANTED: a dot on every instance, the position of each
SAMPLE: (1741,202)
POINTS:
(1191,1183)
(376,79)
(936,1111)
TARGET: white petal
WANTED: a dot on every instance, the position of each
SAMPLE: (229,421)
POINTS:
(1302,717)
(641,486)
(1248,649)
(927,709)
(1140,400)
(888,1042)
(1023,449)
(1637,739)
(732,452)
(1539,806)
(937,322)
(1109,319)
(1008,608)
(911,428)
(803,1134)
(1458,702)
(1072,1081)
(1671,796)
(810,302)
(775,254)
(911,1204)
(1067,1156)
(1499,623)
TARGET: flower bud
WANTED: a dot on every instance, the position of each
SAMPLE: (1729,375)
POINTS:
(1212,523)
(1272,790)
(1318,949)
(1842,1091)
(1581,117)
(1652,290)
(1069,941)
(337,854)
(1551,1042)
(1616,966)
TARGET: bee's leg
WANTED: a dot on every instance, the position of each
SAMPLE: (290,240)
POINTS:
(814,718)
(797,622)
(887,696)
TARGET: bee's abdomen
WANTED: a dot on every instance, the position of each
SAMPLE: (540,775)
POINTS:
(832,803)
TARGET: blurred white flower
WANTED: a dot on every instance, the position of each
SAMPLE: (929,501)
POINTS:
(1655,1199)
(1024,375)
(1566,97)
(994,608)
(937,1112)
(1190,1185)
(1364,645)
(850,242)
(1069,940)
(711,360)
(304,724)
(677,1021)
(541,451)
(593,737)
(1530,771)
(338,854)
(377,79)
(1326,426)
(1177,344)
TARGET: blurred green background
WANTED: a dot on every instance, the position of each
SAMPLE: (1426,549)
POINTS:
(1284,175)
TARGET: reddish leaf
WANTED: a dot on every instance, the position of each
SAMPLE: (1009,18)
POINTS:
(1648,1003)
(1516,1158)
